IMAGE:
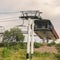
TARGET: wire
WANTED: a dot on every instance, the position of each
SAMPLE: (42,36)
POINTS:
(9,12)
(14,20)
(9,18)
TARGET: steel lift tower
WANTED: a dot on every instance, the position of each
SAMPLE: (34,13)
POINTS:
(30,15)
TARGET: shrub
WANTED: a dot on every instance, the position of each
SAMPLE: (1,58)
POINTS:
(45,54)
(37,54)
(6,53)
(23,46)
(37,45)
(51,44)
(58,47)
(1,44)
(16,47)
(57,56)
(4,44)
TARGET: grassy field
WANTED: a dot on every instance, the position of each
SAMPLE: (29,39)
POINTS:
(44,56)
(20,54)
(12,54)
(16,52)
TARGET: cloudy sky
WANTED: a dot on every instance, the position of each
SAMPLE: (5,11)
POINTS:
(50,9)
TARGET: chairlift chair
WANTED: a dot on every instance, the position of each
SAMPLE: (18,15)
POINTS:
(44,28)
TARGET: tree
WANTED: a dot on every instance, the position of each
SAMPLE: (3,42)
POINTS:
(14,35)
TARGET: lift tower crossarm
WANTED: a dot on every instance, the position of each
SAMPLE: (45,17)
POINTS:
(31,14)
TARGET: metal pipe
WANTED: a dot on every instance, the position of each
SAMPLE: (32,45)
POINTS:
(32,40)
(28,42)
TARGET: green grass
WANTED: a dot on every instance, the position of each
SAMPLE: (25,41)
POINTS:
(6,54)
(16,53)
(44,56)
(20,54)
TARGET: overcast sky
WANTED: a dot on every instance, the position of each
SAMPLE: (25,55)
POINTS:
(50,9)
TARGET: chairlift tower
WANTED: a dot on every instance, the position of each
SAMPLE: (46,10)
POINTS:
(30,15)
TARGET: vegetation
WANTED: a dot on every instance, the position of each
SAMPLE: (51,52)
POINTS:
(51,44)
(14,35)
(20,54)
(44,56)
(16,53)
(11,54)
(5,52)
(57,56)
(58,48)
(37,45)
(14,48)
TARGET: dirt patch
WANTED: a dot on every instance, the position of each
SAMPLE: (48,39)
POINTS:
(43,49)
